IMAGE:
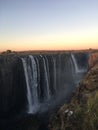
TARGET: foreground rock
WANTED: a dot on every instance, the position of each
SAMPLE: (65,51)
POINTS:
(81,113)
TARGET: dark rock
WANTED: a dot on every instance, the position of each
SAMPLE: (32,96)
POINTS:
(84,94)
(12,87)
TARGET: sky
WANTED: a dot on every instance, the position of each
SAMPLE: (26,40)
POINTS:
(48,24)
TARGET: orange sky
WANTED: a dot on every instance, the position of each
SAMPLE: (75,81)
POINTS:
(70,40)
(48,25)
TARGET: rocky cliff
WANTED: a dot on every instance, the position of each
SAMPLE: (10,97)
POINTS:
(93,59)
(82,112)
(16,76)
(11,86)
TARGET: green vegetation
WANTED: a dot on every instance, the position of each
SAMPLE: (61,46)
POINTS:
(87,116)
(84,117)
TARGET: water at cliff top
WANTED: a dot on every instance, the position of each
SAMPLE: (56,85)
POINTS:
(51,78)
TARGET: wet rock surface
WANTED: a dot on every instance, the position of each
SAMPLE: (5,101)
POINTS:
(12,87)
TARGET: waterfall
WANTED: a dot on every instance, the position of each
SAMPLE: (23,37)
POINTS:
(48,75)
(76,65)
(34,84)
(38,73)
(72,65)
(29,95)
(54,68)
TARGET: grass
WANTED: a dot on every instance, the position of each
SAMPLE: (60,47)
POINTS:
(87,116)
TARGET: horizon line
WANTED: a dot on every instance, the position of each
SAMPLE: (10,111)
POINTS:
(48,50)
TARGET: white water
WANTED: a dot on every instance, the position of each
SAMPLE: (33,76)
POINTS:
(47,63)
(72,67)
(46,77)
(34,82)
(76,65)
(38,72)
(54,67)
(29,95)
(39,93)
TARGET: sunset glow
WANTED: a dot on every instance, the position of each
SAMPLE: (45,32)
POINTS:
(48,24)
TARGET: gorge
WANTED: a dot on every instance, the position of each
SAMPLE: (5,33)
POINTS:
(38,83)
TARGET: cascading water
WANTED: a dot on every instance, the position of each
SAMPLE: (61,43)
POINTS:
(48,75)
(54,68)
(45,63)
(76,65)
(32,83)
(29,96)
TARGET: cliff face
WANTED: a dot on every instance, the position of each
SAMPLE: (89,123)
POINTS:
(93,59)
(29,82)
(12,87)
(81,113)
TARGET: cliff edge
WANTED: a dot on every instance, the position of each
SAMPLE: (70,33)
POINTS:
(82,112)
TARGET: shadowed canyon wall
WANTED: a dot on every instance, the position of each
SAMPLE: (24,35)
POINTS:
(33,84)
(12,86)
